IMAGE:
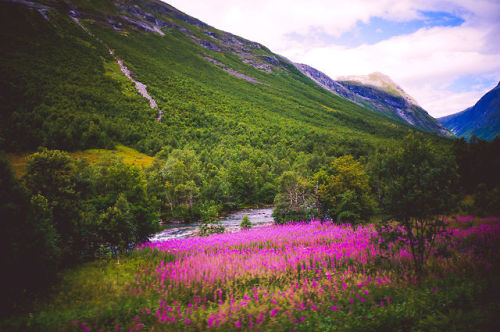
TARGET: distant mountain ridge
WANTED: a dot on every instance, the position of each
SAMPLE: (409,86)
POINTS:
(481,120)
(378,93)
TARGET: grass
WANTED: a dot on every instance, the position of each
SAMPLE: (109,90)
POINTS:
(19,161)
(95,287)
(129,155)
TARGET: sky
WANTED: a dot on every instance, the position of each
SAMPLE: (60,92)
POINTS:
(445,54)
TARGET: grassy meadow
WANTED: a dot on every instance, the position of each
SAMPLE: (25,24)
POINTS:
(19,161)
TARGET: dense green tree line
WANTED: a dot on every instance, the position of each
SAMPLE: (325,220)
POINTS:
(478,165)
(64,212)
(411,177)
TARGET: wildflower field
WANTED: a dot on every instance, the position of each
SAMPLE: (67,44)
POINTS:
(304,277)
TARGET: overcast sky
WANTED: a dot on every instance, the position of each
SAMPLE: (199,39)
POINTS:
(445,54)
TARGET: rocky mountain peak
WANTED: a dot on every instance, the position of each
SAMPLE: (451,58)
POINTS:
(379,93)
(380,81)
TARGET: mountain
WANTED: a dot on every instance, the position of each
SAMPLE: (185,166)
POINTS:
(481,120)
(378,93)
(92,74)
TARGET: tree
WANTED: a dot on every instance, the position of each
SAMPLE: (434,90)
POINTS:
(343,192)
(51,175)
(116,226)
(418,187)
(244,183)
(181,179)
(294,201)
(28,241)
(127,214)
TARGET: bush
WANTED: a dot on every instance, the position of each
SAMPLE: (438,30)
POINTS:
(283,215)
(245,223)
(209,228)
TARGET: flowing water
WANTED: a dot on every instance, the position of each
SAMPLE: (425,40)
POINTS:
(258,218)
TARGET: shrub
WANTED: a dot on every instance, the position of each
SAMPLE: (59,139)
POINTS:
(245,223)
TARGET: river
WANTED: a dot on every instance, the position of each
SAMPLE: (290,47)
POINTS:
(258,218)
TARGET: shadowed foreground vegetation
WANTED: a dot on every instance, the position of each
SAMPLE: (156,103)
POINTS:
(305,276)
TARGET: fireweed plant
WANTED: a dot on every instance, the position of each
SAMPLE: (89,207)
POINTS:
(295,277)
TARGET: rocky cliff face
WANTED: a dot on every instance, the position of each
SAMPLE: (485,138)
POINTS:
(215,40)
(378,93)
(158,17)
(481,120)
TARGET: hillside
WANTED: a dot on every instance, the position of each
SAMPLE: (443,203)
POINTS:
(481,120)
(380,94)
(63,89)
(84,74)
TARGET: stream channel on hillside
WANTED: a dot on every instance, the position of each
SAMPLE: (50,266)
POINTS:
(258,218)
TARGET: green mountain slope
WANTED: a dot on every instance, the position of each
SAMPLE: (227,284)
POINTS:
(247,113)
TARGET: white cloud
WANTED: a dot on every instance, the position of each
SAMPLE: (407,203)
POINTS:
(424,63)
(444,102)
(268,21)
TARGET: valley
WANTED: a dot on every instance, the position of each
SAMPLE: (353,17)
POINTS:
(160,174)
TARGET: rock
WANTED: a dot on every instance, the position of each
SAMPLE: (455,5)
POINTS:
(380,94)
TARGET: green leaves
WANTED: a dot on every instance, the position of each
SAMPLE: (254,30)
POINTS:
(419,181)
(116,225)
(343,191)
(245,223)
(419,185)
